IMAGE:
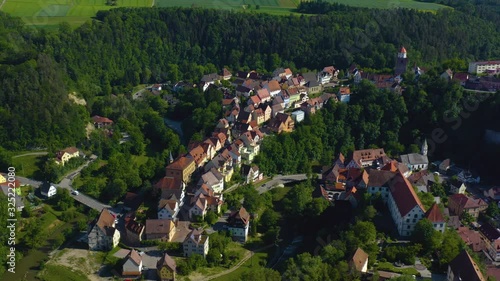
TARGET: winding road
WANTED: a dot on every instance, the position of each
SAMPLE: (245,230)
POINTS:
(66,183)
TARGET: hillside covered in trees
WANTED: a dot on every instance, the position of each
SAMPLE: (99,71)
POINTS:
(125,47)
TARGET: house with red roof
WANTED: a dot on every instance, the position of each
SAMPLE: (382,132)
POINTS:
(132,266)
(404,205)
(182,168)
(491,237)
(435,216)
(66,154)
(238,223)
(101,122)
(460,203)
(359,261)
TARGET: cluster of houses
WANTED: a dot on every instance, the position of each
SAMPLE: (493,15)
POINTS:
(397,181)
(231,147)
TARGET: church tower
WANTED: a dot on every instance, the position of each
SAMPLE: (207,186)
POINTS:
(401,62)
(425,148)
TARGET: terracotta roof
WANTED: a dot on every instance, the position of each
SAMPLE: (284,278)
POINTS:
(273,85)
(344,91)
(167,204)
(167,261)
(378,178)
(404,194)
(135,227)
(367,155)
(133,255)
(181,163)
(100,119)
(198,154)
(329,69)
(255,99)
(464,268)
(471,238)
(359,259)
(434,214)
(263,93)
(241,215)
(197,236)
(156,226)
(169,183)
(105,222)
(226,72)
(466,202)
(391,166)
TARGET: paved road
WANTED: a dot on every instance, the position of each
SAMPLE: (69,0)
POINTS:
(31,153)
(66,183)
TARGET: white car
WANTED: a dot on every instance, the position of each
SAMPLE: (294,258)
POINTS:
(75,192)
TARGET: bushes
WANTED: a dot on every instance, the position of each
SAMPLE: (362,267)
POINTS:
(405,254)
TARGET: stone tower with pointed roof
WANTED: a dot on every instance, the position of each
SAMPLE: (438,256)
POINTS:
(401,62)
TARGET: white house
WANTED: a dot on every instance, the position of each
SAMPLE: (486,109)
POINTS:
(213,179)
(435,216)
(238,223)
(415,161)
(404,205)
(132,265)
(48,190)
(168,209)
(102,234)
(196,243)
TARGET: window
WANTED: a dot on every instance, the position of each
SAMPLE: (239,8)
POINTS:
(416,216)
(414,220)
(408,220)
(408,227)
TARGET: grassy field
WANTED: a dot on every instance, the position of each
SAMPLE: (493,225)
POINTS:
(249,265)
(61,273)
(52,12)
(49,13)
(27,166)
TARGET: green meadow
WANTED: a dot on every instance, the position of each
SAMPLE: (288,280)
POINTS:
(49,13)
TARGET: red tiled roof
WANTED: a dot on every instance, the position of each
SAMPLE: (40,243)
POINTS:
(100,119)
(434,214)
(359,258)
(181,163)
(169,183)
(256,99)
(263,93)
(274,86)
(466,202)
(404,195)
(167,261)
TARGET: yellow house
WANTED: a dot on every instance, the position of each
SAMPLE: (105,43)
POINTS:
(181,168)
(64,155)
(165,268)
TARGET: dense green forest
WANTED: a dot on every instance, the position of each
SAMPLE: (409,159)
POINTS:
(125,47)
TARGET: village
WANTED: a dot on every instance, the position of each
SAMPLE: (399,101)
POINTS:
(195,184)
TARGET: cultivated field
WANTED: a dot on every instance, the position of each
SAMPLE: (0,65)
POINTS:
(46,13)
(51,12)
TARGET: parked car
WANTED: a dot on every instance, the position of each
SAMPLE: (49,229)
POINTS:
(75,192)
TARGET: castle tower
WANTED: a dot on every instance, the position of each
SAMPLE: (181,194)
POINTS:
(401,62)
(425,148)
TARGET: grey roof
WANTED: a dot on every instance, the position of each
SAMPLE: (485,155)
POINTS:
(414,159)
(210,77)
